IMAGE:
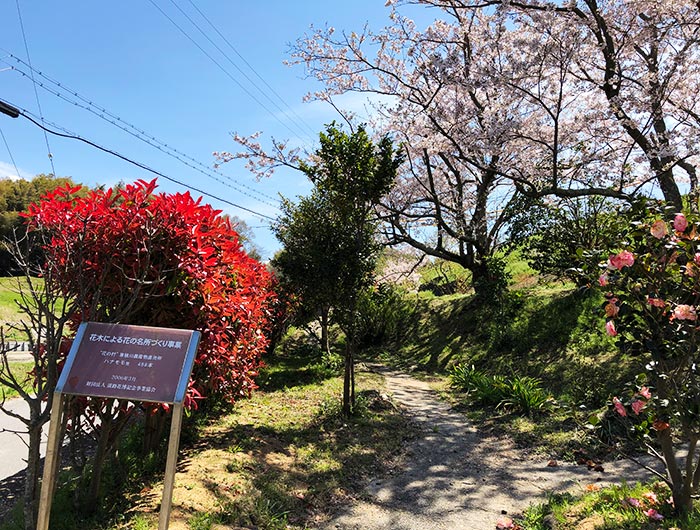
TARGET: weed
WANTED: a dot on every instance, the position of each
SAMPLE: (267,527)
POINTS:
(525,395)
(517,394)
(621,507)
(201,521)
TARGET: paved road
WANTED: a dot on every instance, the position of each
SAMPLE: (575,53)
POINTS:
(13,455)
(13,448)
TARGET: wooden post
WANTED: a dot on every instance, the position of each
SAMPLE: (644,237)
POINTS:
(170,467)
(50,463)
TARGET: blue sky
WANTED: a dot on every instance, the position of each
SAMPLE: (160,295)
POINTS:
(130,59)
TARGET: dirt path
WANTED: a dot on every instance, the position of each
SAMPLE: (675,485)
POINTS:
(458,478)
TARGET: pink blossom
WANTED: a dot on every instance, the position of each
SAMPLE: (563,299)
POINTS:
(685,312)
(653,514)
(656,302)
(603,279)
(623,259)
(645,392)
(696,258)
(680,223)
(619,407)
(658,229)
(611,309)
(633,502)
(651,497)
(610,328)
(638,406)
(505,522)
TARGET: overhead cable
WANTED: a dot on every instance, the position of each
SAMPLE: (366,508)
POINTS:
(221,67)
(36,92)
(7,146)
(242,58)
(68,134)
(140,134)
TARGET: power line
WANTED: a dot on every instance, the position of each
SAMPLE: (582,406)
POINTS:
(36,92)
(224,70)
(252,69)
(68,134)
(140,134)
(10,153)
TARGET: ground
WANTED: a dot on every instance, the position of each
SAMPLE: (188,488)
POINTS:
(456,477)
(451,475)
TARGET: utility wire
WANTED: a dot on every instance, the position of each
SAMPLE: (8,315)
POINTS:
(299,119)
(224,70)
(142,135)
(36,92)
(10,153)
(67,134)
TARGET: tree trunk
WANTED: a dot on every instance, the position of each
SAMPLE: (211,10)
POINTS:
(325,336)
(349,380)
(668,186)
(31,485)
(101,453)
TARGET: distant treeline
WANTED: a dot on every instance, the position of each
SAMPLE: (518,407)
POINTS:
(15,197)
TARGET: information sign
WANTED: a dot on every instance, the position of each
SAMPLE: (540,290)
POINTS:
(137,363)
(129,362)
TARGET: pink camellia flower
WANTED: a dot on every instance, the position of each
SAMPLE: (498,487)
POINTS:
(696,258)
(504,523)
(645,392)
(633,502)
(658,229)
(623,259)
(651,497)
(611,309)
(680,223)
(651,513)
(685,312)
(619,407)
(638,406)
(656,302)
(610,328)
(603,279)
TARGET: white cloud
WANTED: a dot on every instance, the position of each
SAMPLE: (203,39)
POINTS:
(8,171)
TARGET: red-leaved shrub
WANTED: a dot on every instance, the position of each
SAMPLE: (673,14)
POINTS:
(134,256)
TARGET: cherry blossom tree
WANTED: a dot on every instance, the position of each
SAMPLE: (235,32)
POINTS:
(499,98)
(636,66)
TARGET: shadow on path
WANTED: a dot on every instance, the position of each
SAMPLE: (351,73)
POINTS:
(459,478)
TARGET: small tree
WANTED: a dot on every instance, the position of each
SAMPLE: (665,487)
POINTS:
(651,282)
(330,250)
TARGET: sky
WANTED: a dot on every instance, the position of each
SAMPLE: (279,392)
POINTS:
(146,67)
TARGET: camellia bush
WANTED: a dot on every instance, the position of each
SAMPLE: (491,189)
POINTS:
(651,281)
(136,257)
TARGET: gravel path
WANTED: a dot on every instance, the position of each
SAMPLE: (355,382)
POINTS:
(458,478)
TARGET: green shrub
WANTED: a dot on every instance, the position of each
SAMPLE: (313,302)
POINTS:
(383,312)
(525,395)
(518,394)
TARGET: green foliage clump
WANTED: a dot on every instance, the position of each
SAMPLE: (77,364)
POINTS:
(619,507)
(383,312)
(517,394)
(549,236)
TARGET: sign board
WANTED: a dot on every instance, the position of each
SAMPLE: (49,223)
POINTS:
(129,362)
(137,363)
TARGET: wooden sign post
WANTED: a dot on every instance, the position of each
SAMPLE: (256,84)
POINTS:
(136,363)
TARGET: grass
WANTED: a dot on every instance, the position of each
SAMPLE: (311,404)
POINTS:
(285,458)
(624,507)
(10,314)
(21,372)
